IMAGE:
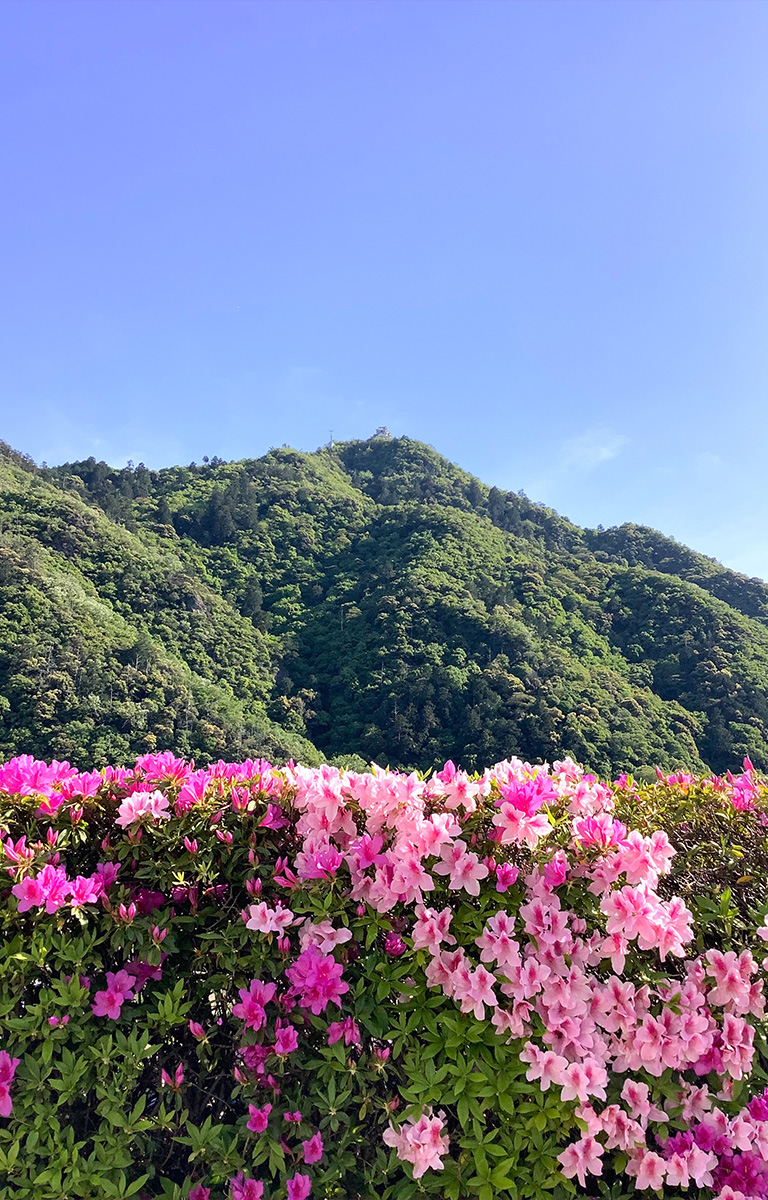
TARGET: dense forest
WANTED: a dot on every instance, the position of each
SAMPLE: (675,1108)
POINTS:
(367,601)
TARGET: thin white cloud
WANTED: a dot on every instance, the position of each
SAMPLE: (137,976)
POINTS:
(588,450)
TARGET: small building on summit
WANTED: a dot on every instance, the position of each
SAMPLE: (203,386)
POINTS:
(381,432)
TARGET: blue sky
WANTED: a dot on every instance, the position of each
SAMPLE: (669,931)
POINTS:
(534,235)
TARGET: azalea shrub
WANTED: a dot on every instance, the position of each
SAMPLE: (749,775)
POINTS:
(251,983)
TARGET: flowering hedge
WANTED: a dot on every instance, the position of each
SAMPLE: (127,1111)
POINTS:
(245,982)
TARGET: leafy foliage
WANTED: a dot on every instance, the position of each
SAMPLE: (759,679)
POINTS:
(168,1091)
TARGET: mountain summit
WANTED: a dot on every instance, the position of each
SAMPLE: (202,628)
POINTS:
(370,599)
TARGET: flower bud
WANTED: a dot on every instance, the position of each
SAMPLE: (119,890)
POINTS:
(394,945)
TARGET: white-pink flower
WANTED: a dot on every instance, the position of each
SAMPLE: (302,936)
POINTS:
(518,828)
(323,935)
(140,805)
(264,919)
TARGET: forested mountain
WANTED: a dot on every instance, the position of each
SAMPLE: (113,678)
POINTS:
(372,600)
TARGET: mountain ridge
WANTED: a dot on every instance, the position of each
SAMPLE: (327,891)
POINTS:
(375,600)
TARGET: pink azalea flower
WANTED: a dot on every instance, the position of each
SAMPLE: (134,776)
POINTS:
(473,990)
(8,1067)
(639,1103)
(431,929)
(140,806)
(85,890)
(293,1118)
(322,863)
(313,1149)
(394,944)
(268,920)
(252,1003)
(518,828)
(545,1066)
(581,1158)
(464,868)
(317,980)
(107,873)
(299,1187)
(346,1029)
(575,1083)
(29,893)
(651,1171)
(258,1118)
(323,935)
(366,851)
(246,1189)
(109,1002)
(286,1039)
(174,1081)
(506,876)
(200,1193)
(421,1143)
(50,887)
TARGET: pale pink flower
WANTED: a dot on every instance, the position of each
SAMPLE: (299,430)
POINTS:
(736,1045)
(431,929)
(651,1171)
(421,1143)
(581,1158)
(518,828)
(636,1096)
(546,1066)
(700,1165)
(323,935)
(474,990)
(268,920)
(464,868)
(732,974)
(143,805)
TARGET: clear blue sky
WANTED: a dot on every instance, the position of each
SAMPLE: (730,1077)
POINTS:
(534,235)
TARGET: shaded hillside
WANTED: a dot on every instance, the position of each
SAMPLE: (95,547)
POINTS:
(111,645)
(378,600)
